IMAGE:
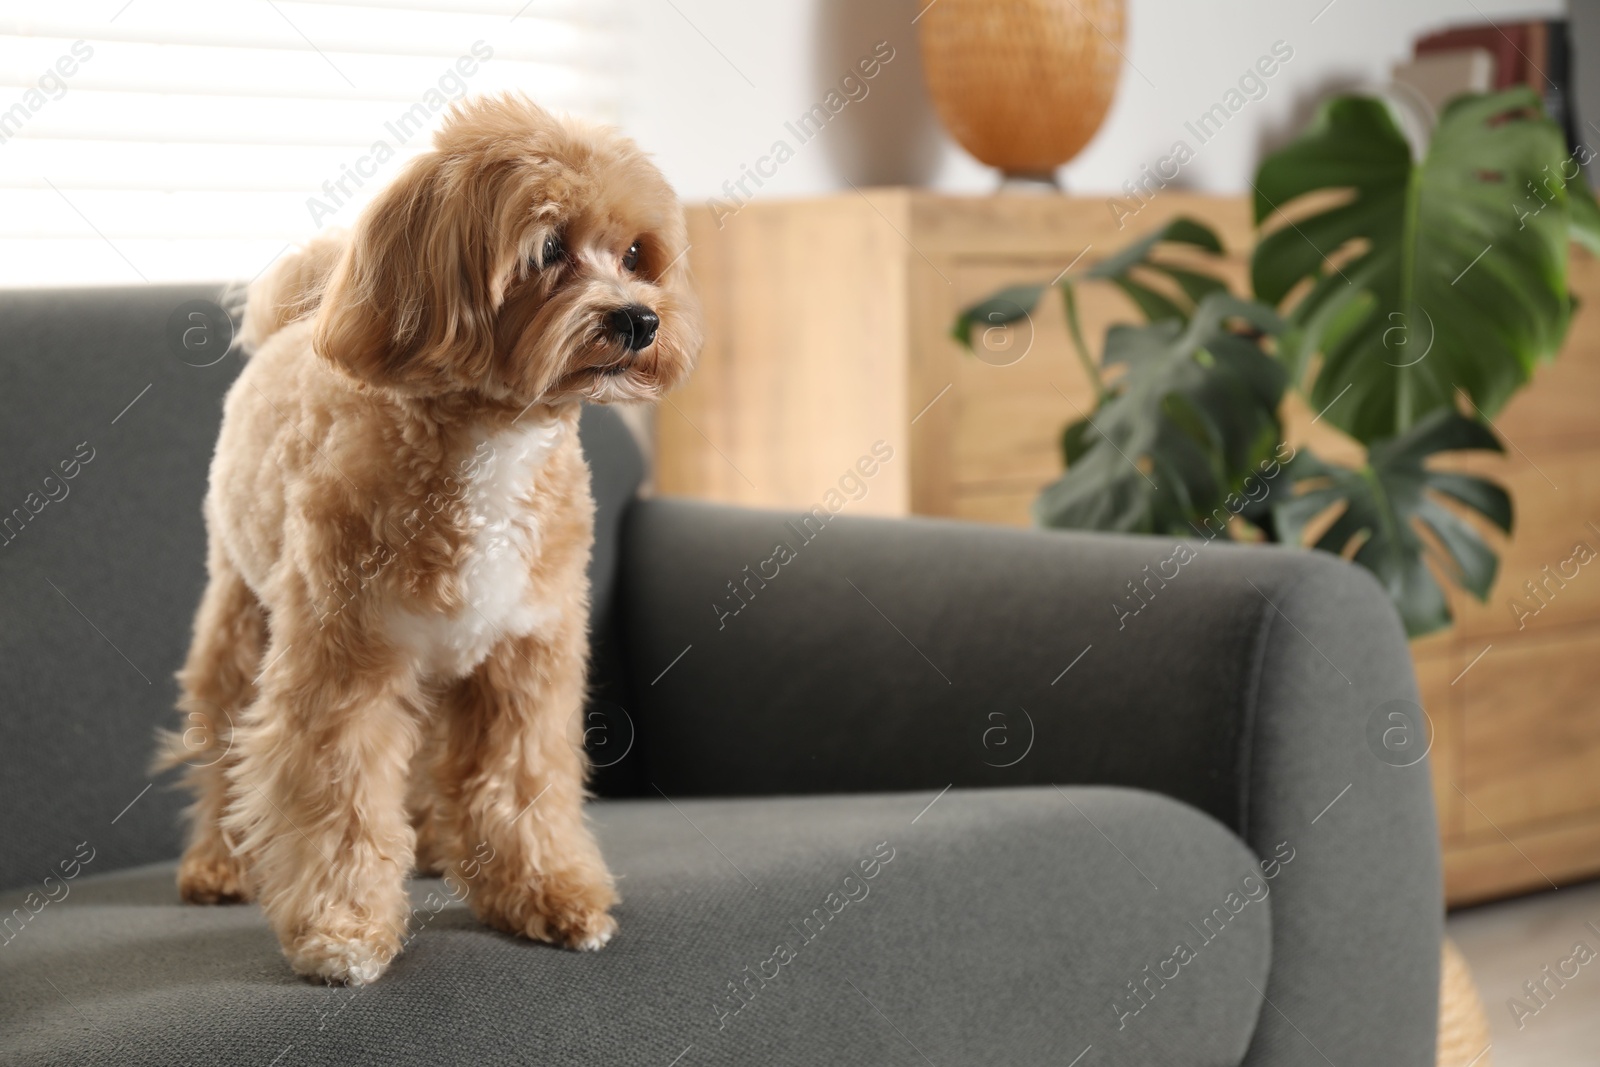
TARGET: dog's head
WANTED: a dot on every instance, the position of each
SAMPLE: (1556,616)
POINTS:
(526,257)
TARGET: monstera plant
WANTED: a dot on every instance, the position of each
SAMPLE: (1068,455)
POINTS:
(1407,301)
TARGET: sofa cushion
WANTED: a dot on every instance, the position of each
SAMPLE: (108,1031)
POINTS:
(100,571)
(988,926)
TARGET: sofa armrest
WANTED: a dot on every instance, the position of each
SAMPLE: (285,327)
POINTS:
(768,655)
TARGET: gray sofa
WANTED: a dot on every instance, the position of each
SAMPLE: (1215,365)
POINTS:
(929,797)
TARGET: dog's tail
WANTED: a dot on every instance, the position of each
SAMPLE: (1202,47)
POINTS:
(288,290)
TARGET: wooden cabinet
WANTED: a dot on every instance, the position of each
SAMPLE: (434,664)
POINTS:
(828,325)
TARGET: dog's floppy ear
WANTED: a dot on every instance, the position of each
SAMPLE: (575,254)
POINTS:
(410,305)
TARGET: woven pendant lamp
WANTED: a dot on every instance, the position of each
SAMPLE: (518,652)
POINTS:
(1022,84)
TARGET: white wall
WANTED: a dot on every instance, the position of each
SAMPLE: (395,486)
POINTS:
(711,83)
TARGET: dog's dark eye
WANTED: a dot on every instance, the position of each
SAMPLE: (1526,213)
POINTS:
(552,251)
(630,258)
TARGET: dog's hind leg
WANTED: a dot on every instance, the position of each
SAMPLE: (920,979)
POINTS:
(218,683)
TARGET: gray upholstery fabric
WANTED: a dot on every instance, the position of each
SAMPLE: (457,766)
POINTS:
(97,590)
(1002,929)
(916,654)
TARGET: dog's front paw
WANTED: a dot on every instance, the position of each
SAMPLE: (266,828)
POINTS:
(583,931)
(565,908)
(342,960)
(211,875)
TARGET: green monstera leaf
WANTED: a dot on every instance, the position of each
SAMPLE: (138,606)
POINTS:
(1190,416)
(1123,270)
(1451,271)
(1130,271)
(1386,506)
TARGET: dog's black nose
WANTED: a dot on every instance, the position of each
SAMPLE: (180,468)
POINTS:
(634,325)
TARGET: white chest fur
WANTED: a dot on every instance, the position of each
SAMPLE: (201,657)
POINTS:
(494,574)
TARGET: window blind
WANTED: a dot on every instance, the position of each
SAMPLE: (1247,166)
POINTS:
(182,140)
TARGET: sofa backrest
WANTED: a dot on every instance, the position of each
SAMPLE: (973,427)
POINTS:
(108,418)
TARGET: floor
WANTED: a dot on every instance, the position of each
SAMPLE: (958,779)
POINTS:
(1509,944)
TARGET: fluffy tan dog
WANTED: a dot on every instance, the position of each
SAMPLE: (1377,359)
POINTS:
(400,523)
